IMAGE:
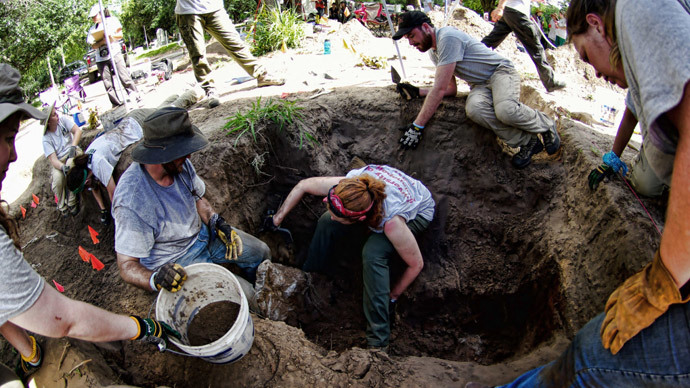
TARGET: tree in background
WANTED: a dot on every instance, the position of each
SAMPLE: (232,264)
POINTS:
(33,30)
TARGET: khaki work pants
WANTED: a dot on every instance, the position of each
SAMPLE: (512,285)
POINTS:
(58,183)
(219,25)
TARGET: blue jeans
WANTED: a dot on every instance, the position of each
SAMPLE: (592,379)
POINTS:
(204,251)
(659,356)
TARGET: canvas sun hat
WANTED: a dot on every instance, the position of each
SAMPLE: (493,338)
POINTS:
(168,135)
(11,98)
(409,21)
(48,112)
(95,10)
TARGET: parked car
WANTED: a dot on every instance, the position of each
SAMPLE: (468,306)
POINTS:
(75,68)
(90,59)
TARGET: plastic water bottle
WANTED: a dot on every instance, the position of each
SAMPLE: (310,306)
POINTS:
(326,47)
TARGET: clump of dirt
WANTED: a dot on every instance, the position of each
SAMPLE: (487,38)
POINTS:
(212,322)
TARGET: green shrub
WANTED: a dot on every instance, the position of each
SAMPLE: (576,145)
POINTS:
(274,28)
(281,112)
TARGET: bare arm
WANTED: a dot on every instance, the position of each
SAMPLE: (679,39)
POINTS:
(55,162)
(314,186)
(675,242)
(111,188)
(497,13)
(55,315)
(205,210)
(405,244)
(76,135)
(625,131)
(444,85)
(133,272)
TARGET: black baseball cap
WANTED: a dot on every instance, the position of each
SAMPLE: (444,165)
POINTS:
(409,21)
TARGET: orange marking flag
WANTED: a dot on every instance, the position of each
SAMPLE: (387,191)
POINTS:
(23,211)
(35,198)
(97,265)
(86,256)
(93,234)
(33,204)
(58,286)
(56,200)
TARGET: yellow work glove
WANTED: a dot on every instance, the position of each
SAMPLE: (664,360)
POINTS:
(637,303)
(170,277)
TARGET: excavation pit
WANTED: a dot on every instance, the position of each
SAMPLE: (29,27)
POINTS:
(512,257)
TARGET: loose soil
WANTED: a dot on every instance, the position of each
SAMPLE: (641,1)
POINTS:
(515,261)
(212,322)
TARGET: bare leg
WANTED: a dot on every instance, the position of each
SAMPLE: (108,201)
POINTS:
(18,338)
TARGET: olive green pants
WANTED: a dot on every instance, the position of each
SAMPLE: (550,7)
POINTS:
(377,251)
(219,25)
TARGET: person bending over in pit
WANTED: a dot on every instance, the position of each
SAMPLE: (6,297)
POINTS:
(61,144)
(95,167)
(643,336)
(27,302)
(377,207)
(494,99)
(162,220)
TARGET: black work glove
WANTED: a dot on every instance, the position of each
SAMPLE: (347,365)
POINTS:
(599,174)
(170,277)
(72,151)
(410,139)
(267,224)
(392,307)
(232,241)
(153,331)
(407,91)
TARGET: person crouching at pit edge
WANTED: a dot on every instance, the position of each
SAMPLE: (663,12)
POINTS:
(642,339)
(27,302)
(494,99)
(378,199)
(162,220)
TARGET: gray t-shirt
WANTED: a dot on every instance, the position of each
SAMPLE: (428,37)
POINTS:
(58,142)
(20,285)
(106,149)
(405,196)
(153,223)
(197,7)
(656,65)
(475,63)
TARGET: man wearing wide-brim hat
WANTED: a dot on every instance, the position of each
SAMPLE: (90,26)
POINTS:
(60,144)
(162,220)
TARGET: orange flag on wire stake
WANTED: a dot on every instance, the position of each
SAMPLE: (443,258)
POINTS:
(56,200)
(86,256)
(58,286)
(23,211)
(35,198)
(93,234)
(33,204)
(96,264)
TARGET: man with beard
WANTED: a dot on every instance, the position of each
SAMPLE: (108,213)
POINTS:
(162,220)
(493,101)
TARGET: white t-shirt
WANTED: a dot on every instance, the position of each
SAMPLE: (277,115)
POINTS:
(405,196)
(58,142)
(113,25)
(20,285)
(519,5)
(197,7)
(106,149)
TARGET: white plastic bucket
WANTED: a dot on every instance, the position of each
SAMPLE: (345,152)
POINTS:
(207,283)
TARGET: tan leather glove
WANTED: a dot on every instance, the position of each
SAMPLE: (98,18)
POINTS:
(637,303)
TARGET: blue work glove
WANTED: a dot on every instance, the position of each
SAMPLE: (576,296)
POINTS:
(612,160)
(412,136)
